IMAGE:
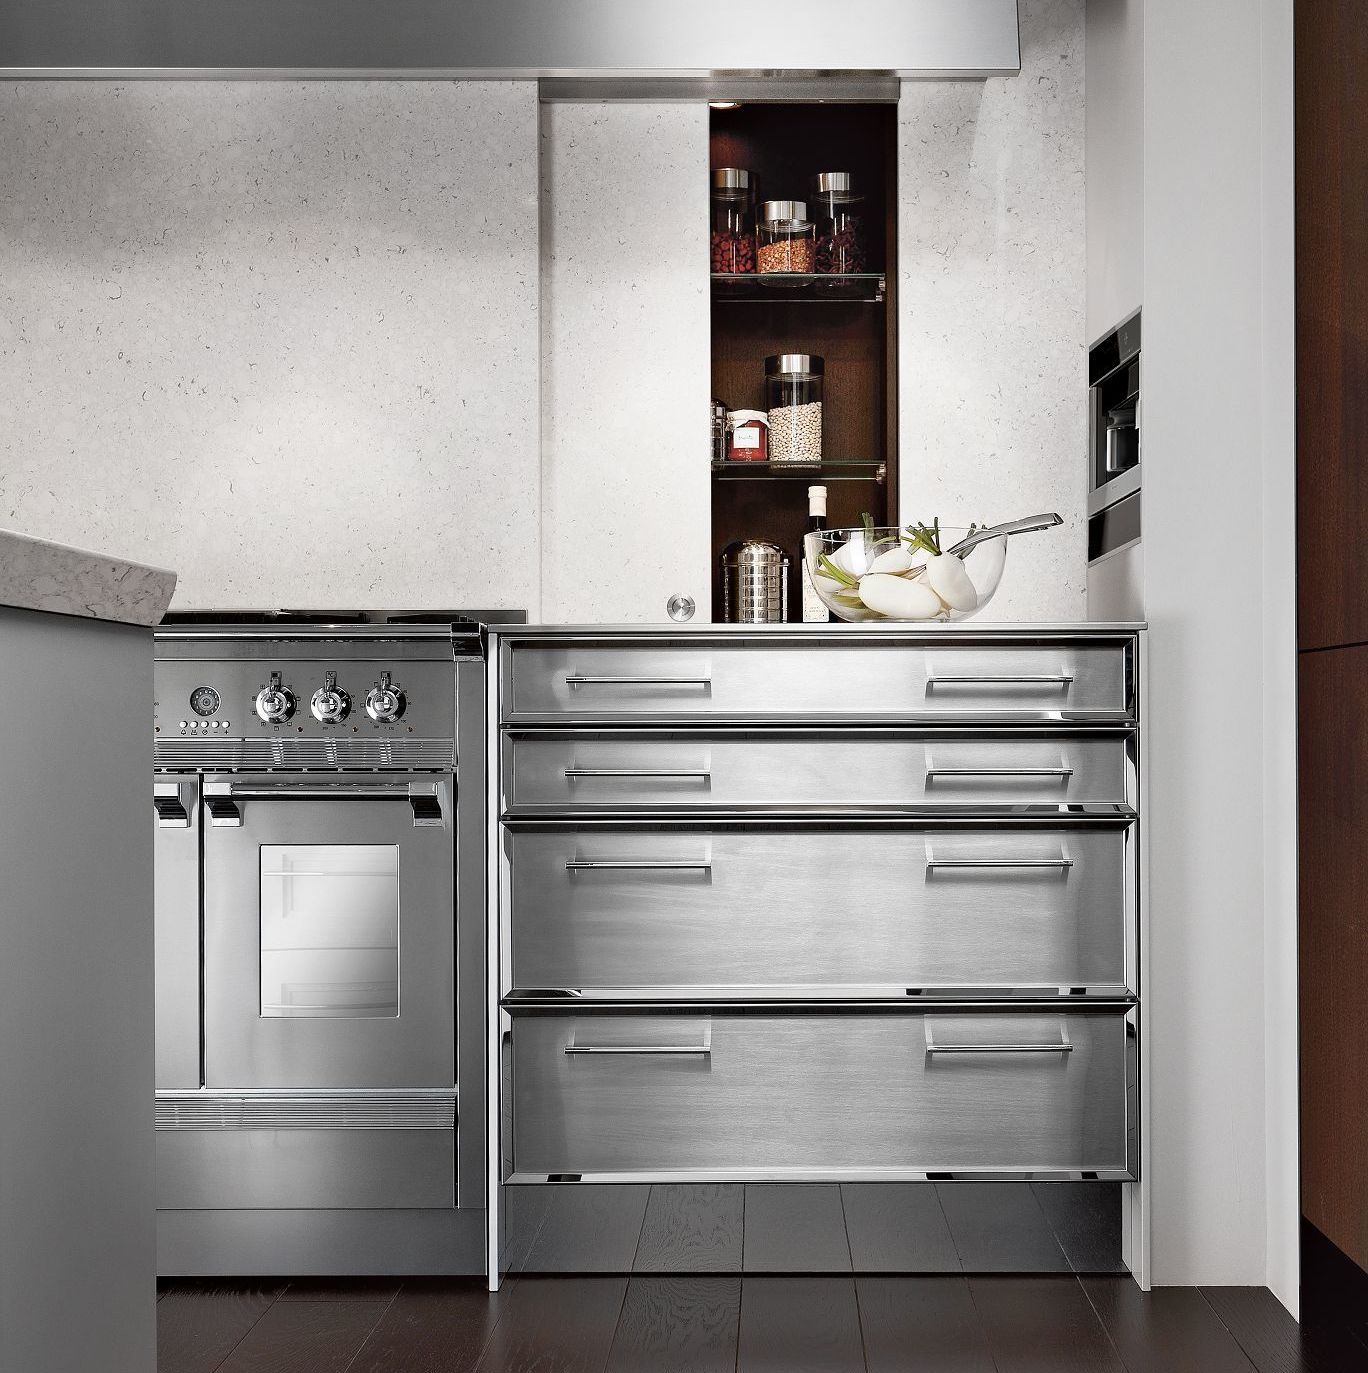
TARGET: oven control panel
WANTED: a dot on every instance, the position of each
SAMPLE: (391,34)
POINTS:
(347,699)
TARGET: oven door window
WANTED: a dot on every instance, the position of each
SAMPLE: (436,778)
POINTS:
(330,930)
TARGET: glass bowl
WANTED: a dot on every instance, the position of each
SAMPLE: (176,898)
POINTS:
(854,552)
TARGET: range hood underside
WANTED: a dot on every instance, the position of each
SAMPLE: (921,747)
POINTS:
(707,48)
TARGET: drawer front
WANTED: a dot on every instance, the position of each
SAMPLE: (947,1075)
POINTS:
(887,1095)
(820,910)
(587,773)
(596,681)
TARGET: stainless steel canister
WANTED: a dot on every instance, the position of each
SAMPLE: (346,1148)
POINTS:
(754,583)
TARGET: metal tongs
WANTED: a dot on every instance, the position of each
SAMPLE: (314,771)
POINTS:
(1000,531)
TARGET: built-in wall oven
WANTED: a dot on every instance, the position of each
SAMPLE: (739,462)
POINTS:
(317,818)
(1115,553)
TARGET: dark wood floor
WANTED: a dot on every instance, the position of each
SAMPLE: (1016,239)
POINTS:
(732,1324)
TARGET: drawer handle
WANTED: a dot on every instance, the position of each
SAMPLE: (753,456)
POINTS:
(1059,679)
(703,1050)
(1000,863)
(999,772)
(687,774)
(999,1048)
(580,679)
(641,865)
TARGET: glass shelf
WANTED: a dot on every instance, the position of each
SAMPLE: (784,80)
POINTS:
(833,469)
(775,286)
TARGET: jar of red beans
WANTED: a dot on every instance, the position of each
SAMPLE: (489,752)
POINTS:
(733,220)
(838,211)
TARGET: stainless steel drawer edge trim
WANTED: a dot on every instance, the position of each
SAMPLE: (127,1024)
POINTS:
(895,996)
(735,1175)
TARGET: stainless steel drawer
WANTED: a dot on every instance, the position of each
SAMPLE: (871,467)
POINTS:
(796,771)
(821,1095)
(593,680)
(817,910)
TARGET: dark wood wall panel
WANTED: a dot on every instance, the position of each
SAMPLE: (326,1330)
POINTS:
(1333,972)
(1332,321)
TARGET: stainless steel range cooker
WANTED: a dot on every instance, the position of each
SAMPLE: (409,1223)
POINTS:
(318,797)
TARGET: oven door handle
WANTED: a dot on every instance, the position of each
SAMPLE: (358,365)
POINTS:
(221,798)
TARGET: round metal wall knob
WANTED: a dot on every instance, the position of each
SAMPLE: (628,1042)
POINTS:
(680,607)
(275,703)
(330,704)
(385,703)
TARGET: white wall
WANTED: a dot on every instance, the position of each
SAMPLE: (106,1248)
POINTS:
(991,283)
(280,336)
(625,361)
(1115,161)
(1219,457)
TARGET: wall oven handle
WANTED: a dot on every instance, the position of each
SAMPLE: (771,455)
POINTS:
(637,865)
(170,809)
(1059,679)
(684,774)
(1061,863)
(579,679)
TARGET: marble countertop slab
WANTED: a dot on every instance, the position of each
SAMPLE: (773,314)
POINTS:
(38,575)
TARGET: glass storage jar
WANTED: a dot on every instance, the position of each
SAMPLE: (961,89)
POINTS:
(784,239)
(733,220)
(747,436)
(839,216)
(793,393)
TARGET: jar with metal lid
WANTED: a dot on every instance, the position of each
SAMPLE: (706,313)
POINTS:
(754,583)
(839,216)
(784,238)
(747,436)
(793,395)
(733,220)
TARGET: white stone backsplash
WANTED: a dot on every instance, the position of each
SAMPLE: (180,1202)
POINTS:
(281,336)
(991,297)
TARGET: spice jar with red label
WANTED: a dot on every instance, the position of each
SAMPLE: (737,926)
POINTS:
(748,436)
(733,220)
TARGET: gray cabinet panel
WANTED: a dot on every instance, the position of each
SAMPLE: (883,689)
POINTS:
(819,909)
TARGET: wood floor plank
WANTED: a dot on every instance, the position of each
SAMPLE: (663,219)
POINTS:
(589,1229)
(795,1228)
(921,1325)
(305,1337)
(342,1289)
(1042,1325)
(799,1325)
(198,1326)
(555,1325)
(1086,1220)
(1265,1330)
(998,1227)
(692,1229)
(678,1324)
(1168,1330)
(896,1227)
(434,1325)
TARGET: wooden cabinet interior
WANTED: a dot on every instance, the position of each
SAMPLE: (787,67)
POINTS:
(785,146)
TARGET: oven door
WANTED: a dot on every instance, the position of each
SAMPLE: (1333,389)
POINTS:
(328,932)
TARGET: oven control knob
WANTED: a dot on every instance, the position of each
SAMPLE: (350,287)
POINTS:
(275,703)
(330,705)
(385,703)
